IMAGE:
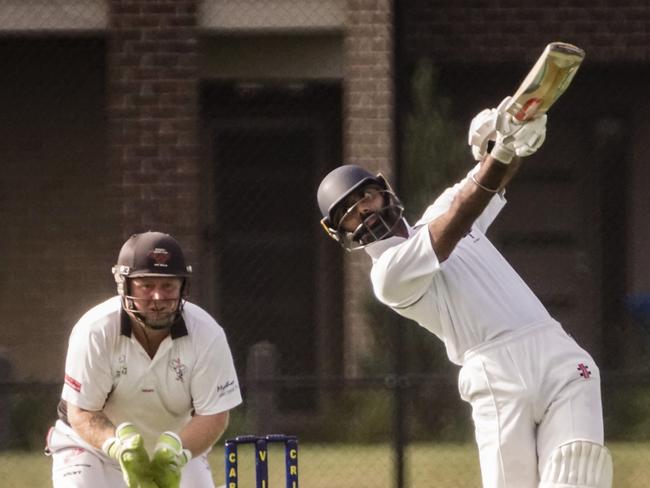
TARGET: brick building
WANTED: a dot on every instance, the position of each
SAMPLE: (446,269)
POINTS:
(215,120)
(197,118)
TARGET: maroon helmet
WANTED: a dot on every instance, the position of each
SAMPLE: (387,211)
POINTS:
(150,254)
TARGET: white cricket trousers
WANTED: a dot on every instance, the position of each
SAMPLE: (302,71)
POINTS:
(78,468)
(530,391)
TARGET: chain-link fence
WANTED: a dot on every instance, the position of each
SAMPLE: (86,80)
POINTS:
(356,442)
(373,404)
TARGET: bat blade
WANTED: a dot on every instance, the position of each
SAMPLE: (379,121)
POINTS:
(550,76)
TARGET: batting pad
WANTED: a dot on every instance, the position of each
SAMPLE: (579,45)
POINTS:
(578,464)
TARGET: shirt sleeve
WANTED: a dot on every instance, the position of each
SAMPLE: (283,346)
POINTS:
(444,201)
(88,379)
(215,387)
(403,273)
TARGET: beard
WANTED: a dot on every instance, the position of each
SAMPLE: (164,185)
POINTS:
(159,320)
(161,316)
(379,225)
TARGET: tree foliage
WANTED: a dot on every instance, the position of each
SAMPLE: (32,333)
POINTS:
(434,148)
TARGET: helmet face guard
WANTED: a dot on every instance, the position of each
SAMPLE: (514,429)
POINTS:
(334,195)
(380,224)
(164,321)
(155,255)
(376,226)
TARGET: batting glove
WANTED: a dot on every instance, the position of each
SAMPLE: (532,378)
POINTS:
(505,127)
(168,459)
(127,448)
(530,137)
(514,137)
(488,125)
(482,130)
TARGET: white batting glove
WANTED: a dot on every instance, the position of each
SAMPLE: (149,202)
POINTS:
(482,130)
(486,124)
(510,136)
(517,138)
(506,127)
(530,137)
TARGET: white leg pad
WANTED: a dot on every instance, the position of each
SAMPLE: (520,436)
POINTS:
(578,464)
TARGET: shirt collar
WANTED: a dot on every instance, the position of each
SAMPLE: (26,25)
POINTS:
(376,249)
(179,329)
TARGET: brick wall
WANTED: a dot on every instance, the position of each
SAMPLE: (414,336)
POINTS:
(57,231)
(153,114)
(476,32)
(368,139)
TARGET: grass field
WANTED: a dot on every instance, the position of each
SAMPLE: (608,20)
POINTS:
(352,466)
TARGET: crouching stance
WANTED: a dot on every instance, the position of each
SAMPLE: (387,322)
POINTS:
(534,392)
(149,381)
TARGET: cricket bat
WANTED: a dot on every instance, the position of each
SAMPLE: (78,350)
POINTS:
(546,81)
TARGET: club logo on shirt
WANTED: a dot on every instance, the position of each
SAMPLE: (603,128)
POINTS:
(178,368)
(584,371)
(227,387)
(121,367)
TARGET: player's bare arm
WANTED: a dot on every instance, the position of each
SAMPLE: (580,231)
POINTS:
(203,431)
(503,126)
(93,426)
(511,139)
(449,228)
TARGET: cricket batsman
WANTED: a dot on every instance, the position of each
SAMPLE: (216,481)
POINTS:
(149,380)
(534,392)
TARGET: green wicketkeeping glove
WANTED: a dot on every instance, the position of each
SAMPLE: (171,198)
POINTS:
(127,448)
(169,458)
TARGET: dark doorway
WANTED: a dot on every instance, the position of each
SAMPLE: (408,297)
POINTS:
(269,146)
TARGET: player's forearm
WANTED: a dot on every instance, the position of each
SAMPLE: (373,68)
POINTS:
(511,170)
(203,431)
(468,204)
(93,426)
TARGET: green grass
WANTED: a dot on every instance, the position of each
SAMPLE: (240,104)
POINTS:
(351,466)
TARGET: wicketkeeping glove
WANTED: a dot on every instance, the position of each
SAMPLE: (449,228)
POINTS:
(127,448)
(168,459)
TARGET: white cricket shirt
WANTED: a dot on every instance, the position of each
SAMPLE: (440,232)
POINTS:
(471,298)
(107,369)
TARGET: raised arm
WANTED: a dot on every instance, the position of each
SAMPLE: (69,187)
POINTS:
(469,203)
(497,169)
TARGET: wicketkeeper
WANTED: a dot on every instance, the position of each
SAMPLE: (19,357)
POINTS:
(535,394)
(149,381)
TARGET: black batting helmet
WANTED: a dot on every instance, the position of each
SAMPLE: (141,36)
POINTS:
(341,182)
(344,181)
